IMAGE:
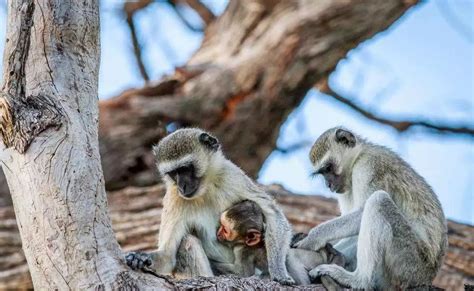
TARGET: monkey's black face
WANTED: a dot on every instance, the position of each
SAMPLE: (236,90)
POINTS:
(334,181)
(186,180)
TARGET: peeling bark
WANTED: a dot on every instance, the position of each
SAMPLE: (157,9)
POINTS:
(23,117)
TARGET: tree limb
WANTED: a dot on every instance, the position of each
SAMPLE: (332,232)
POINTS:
(174,4)
(233,86)
(130,8)
(135,214)
(202,10)
(399,125)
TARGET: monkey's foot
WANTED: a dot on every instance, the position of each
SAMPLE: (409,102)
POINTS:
(321,270)
(138,261)
(309,243)
(340,276)
(284,280)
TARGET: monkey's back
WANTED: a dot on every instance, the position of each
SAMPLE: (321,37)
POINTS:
(412,194)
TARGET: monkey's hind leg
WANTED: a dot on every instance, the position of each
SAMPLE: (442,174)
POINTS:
(192,260)
(381,226)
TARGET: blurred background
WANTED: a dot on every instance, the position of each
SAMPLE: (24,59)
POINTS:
(268,77)
(420,70)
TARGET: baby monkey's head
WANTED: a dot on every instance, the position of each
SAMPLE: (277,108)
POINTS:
(242,223)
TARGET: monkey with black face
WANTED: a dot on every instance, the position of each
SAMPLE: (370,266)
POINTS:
(242,226)
(392,229)
(200,184)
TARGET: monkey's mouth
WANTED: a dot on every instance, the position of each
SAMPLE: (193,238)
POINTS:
(335,184)
(332,186)
(186,180)
(188,190)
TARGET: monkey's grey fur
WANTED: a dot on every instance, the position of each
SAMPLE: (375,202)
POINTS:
(299,262)
(194,201)
(245,219)
(392,225)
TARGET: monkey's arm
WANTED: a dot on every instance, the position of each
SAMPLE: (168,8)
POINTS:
(243,265)
(244,261)
(169,239)
(334,229)
(277,239)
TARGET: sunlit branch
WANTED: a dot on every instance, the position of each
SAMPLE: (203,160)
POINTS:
(400,125)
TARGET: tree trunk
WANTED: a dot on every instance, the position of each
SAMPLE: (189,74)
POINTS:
(255,65)
(135,214)
(49,124)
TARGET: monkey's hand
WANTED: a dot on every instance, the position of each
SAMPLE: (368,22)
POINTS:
(297,238)
(138,260)
(311,242)
(288,281)
(321,270)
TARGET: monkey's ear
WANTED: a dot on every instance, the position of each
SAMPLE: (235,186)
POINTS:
(209,141)
(345,137)
(253,237)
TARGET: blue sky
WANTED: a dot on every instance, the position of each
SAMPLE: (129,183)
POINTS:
(421,67)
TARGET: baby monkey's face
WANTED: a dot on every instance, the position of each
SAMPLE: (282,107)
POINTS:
(227,231)
(236,232)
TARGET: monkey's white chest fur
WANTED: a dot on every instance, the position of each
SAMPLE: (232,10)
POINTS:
(200,217)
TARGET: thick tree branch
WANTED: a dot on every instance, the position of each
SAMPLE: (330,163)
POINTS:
(255,65)
(135,214)
(400,125)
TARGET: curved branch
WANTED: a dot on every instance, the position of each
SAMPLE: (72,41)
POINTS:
(399,125)
(130,8)
(202,10)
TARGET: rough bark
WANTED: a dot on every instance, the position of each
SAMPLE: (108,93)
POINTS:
(135,214)
(50,155)
(255,65)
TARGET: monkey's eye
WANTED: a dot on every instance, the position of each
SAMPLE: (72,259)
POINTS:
(327,168)
(183,170)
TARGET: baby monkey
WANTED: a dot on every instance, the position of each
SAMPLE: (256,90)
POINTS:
(242,227)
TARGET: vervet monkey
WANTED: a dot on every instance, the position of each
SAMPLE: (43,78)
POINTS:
(392,225)
(200,184)
(242,226)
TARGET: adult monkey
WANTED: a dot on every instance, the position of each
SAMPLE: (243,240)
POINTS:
(200,184)
(401,228)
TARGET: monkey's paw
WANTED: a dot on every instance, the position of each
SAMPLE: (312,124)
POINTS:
(138,261)
(321,270)
(288,281)
(309,243)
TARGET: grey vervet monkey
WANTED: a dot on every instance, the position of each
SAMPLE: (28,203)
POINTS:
(391,226)
(200,184)
(242,226)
